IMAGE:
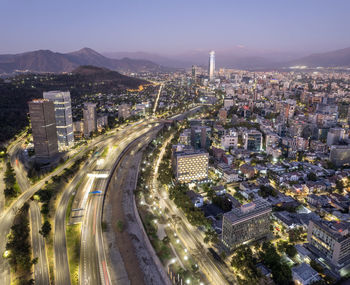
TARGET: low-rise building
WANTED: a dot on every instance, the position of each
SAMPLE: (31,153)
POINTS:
(304,274)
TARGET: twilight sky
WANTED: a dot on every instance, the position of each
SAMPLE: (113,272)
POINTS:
(167,27)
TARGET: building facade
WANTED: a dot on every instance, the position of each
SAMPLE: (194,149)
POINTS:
(90,118)
(340,154)
(42,116)
(190,166)
(124,111)
(63,116)
(253,140)
(335,135)
(246,223)
(331,241)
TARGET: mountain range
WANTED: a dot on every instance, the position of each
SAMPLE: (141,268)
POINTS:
(244,58)
(48,61)
(240,58)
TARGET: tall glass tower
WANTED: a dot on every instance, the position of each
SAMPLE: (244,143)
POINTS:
(211,68)
(63,116)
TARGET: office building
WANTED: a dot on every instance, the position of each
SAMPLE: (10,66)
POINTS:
(124,111)
(246,223)
(63,116)
(90,118)
(200,137)
(78,128)
(331,241)
(253,140)
(42,116)
(194,75)
(190,165)
(335,135)
(211,67)
(340,155)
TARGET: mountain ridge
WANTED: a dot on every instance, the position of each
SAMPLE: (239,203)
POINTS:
(48,61)
(42,61)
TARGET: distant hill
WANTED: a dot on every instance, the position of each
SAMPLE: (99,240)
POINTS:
(81,81)
(88,73)
(337,58)
(47,61)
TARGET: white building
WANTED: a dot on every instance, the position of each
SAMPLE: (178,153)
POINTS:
(230,140)
(211,67)
(90,118)
(304,274)
(228,102)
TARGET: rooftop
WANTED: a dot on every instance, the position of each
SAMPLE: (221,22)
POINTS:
(338,230)
(249,210)
(304,271)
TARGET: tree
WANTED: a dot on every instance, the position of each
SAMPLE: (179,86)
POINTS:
(340,186)
(312,176)
(223,203)
(244,261)
(45,229)
(291,251)
(281,272)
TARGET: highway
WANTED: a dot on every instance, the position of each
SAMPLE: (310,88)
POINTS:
(92,270)
(7,216)
(41,272)
(62,273)
(93,261)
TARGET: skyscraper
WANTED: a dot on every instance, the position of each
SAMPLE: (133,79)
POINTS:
(194,75)
(90,118)
(63,116)
(211,68)
(42,116)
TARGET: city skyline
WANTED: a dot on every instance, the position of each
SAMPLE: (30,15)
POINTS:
(186,142)
(269,26)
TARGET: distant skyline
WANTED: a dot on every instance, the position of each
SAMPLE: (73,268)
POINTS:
(174,27)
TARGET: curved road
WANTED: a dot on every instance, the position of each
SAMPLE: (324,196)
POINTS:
(62,273)
(41,271)
(93,262)
(7,216)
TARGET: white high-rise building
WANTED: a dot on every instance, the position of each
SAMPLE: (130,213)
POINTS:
(90,118)
(211,67)
(63,116)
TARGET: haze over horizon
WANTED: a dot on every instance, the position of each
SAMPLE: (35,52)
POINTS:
(162,27)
